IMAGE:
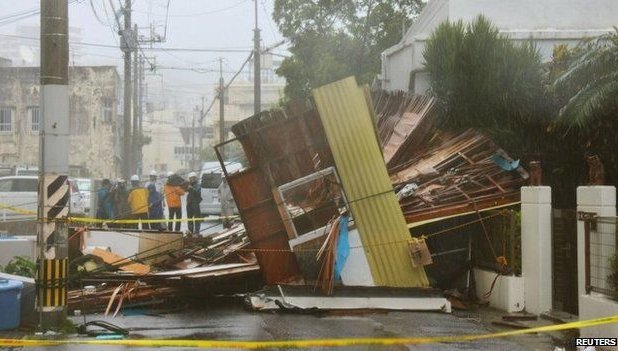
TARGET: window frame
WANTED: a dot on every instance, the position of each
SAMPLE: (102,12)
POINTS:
(10,122)
(30,111)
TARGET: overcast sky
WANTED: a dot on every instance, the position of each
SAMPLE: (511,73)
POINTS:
(210,24)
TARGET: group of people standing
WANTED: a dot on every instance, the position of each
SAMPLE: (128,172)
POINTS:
(116,202)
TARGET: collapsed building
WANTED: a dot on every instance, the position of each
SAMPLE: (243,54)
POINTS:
(374,163)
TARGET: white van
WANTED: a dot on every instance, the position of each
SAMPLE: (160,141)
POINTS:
(210,179)
(21,192)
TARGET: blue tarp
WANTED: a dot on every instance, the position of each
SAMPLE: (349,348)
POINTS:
(343,247)
(504,163)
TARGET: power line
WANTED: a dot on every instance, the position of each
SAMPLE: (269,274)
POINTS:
(109,46)
(24,14)
(227,86)
(201,13)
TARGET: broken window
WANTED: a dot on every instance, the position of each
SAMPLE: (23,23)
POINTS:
(311,202)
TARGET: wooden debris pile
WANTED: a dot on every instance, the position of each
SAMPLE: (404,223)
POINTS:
(438,174)
(220,260)
(125,295)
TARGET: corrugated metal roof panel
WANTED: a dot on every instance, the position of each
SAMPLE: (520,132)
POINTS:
(349,128)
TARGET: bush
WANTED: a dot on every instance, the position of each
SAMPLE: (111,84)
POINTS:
(20,265)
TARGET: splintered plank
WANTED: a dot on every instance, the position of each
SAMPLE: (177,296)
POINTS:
(122,263)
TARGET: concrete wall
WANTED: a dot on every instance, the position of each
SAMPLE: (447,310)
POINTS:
(547,22)
(539,14)
(93,138)
(162,128)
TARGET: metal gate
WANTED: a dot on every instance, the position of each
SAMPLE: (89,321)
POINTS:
(564,261)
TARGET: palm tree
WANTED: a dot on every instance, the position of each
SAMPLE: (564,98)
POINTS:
(590,82)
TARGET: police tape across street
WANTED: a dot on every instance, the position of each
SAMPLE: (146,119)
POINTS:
(310,343)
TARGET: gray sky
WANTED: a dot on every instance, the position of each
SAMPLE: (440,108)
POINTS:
(211,24)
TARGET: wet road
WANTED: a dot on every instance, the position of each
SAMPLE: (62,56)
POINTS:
(229,321)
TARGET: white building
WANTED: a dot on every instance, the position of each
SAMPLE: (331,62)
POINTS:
(168,150)
(23,47)
(547,22)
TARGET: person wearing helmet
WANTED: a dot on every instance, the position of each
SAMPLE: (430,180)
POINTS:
(155,206)
(138,201)
(194,197)
(173,192)
(120,202)
(153,179)
(104,201)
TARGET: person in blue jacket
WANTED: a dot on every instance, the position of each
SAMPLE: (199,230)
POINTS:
(105,204)
(155,206)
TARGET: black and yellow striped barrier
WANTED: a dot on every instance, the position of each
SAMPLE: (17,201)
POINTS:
(342,342)
(53,278)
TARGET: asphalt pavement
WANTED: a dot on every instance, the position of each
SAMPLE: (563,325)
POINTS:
(229,320)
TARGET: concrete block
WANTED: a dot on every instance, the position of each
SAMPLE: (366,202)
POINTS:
(597,195)
(536,195)
(508,293)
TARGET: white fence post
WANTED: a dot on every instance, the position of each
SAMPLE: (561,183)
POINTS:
(536,248)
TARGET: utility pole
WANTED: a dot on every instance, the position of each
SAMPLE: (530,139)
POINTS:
(257,71)
(127,48)
(221,108)
(201,127)
(135,141)
(193,140)
(140,162)
(54,193)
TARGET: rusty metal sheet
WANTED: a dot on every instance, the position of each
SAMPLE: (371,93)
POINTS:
(347,122)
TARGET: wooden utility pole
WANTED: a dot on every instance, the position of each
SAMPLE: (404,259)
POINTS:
(140,113)
(221,108)
(135,141)
(193,139)
(54,194)
(257,70)
(127,48)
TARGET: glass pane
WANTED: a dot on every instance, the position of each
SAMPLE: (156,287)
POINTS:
(22,185)
(5,185)
(211,180)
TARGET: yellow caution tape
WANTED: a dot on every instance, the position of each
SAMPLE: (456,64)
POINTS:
(136,221)
(18,210)
(307,343)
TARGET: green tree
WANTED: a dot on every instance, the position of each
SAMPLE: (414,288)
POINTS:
(482,79)
(333,39)
(590,82)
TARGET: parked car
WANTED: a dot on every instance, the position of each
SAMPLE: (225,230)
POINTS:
(210,180)
(84,186)
(21,192)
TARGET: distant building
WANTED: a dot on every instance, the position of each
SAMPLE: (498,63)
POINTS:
(23,47)
(547,22)
(169,149)
(239,98)
(95,124)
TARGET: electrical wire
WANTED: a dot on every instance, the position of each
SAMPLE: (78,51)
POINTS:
(201,13)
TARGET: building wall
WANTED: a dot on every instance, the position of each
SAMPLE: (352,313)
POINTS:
(547,22)
(163,129)
(239,105)
(94,123)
